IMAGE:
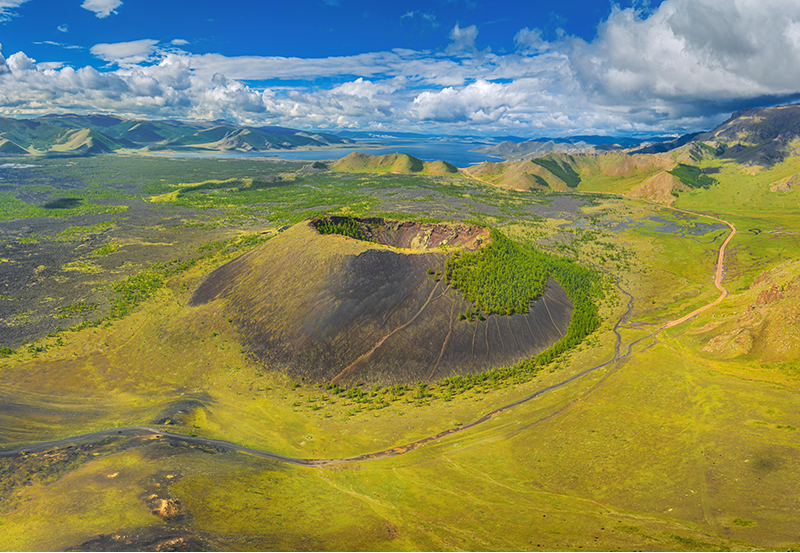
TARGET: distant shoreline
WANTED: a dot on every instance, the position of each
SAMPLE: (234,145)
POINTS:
(458,154)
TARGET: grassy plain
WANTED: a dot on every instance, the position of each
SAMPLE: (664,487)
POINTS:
(670,448)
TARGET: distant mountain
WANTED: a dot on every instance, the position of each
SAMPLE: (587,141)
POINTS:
(514,149)
(533,148)
(70,134)
(381,135)
(759,137)
(762,136)
(667,146)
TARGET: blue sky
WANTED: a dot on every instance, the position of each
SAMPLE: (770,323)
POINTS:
(532,68)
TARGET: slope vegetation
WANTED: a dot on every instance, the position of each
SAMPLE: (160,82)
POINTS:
(660,188)
(765,326)
(519,175)
(358,162)
(563,172)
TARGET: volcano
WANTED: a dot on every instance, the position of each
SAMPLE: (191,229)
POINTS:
(337,309)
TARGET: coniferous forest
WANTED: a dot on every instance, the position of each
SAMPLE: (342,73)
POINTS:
(504,277)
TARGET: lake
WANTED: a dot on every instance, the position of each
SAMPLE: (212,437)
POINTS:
(457,153)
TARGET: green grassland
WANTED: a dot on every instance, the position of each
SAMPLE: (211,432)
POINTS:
(671,448)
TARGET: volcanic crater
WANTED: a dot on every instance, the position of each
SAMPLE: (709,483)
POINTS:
(337,309)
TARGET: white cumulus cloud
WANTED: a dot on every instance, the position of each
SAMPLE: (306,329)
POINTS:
(530,40)
(682,66)
(101,8)
(363,89)
(688,54)
(463,40)
(135,51)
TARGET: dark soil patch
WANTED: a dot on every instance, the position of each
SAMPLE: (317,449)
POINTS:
(34,283)
(560,206)
(23,469)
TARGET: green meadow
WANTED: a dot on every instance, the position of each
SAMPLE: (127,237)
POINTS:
(678,439)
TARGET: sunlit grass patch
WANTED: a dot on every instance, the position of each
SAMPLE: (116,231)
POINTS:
(75,309)
(104,250)
(82,267)
(78,232)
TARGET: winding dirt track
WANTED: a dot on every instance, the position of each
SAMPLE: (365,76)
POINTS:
(154,433)
(720,267)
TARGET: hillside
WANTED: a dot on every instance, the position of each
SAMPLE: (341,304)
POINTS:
(519,175)
(765,325)
(71,134)
(761,137)
(660,188)
(755,138)
(392,163)
(563,172)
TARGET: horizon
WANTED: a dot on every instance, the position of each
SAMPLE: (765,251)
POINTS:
(450,67)
(373,134)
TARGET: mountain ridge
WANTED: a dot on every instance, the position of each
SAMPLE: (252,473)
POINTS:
(55,134)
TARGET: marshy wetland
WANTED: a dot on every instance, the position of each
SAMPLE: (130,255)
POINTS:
(173,330)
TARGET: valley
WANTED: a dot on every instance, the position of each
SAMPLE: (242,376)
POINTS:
(189,363)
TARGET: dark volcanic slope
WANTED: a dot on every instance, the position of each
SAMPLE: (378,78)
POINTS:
(336,309)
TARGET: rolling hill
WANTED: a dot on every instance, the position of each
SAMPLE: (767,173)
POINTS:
(358,162)
(754,139)
(564,172)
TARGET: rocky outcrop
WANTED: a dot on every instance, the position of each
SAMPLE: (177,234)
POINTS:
(732,343)
(785,185)
(770,295)
(767,327)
